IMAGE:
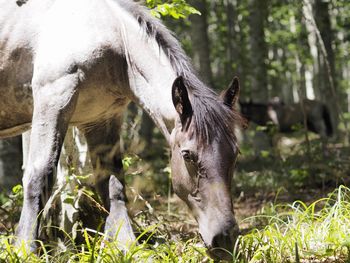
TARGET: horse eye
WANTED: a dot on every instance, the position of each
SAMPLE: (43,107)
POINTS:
(186,154)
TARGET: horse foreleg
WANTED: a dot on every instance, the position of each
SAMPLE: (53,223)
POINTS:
(118,225)
(54,103)
(104,148)
(25,148)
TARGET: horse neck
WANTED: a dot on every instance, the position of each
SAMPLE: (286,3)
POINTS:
(150,72)
(151,86)
(150,82)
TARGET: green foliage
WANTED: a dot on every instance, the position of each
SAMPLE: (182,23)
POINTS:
(298,176)
(264,154)
(10,206)
(128,161)
(175,8)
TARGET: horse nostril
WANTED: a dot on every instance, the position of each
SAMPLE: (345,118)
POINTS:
(221,247)
(215,242)
(222,240)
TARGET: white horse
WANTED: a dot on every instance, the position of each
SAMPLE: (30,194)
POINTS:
(80,63)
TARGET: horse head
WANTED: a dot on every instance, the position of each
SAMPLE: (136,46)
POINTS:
(202,170)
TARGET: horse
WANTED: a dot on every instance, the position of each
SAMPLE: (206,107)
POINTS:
(80,63)
(286,117)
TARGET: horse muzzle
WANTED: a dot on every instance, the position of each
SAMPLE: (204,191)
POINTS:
(221,245)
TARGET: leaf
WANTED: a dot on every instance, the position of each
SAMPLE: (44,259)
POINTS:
(17,189)
(176,9)
(88,192)
(261,128)
(265,154)
(127,161)
(69,200)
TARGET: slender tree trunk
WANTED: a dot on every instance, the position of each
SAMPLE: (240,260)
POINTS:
(146,130)
(276,80)
(200,40)
(287,87)
(323,21)
(233,67)
(258,69)
(258,17)
(242,51)
(303,53)
(10,162)
(302,80)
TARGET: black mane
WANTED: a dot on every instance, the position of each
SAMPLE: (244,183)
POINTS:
(209,112)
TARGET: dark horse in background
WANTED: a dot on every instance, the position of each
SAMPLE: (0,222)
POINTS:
(287,116)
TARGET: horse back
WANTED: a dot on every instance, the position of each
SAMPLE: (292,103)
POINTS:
(52,38)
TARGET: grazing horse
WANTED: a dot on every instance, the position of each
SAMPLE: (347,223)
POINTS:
(80,63)
(285,117)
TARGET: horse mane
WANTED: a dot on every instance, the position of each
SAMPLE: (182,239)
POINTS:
(210,114)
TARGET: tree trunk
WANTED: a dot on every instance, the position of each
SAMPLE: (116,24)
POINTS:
(234,66)
(74,161)
(146,130)
(287,87)
(258,69)
(10,162)
(200,40)
(323,22)
(258,53)
(303,54)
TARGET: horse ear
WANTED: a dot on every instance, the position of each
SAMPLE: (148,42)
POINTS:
(181,100)
(231,94)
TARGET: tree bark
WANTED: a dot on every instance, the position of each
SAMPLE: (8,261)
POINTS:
(258,17)
(146,130)
(235,65)
(200,40)
(303,53)
(323,21)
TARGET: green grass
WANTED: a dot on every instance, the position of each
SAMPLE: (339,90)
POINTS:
(96,249)
(318,232)
(302,233)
